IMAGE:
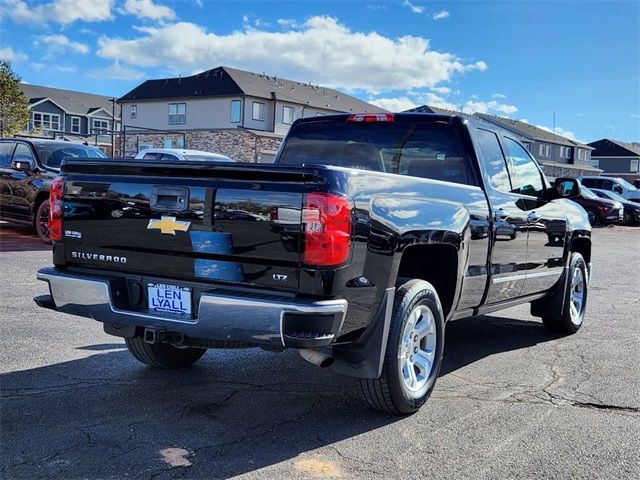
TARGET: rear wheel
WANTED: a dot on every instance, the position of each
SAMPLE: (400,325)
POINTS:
(163,355)
(414,351)
(41,221)
(571,312)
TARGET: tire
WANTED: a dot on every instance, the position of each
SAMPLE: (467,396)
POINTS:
(41,221)
(416,303)
(572,310)
(163,355)
(594,217)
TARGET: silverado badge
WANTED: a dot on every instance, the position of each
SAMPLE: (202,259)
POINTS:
(168,225)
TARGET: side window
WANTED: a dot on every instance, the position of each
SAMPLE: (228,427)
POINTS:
(493,159)
(590,183)
(6,149)
(150,156)
(607,185)
(23,154)
(168,156)
(528,180)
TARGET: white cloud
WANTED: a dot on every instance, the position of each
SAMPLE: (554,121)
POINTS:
(63,12)
(8,54)
(321,49)
(398,104)
(60,44)
(560,131)
(288,23)
(414,8)
(441,90)
(147,9)
(492,106)
(498,95)
(635,115)
(116,72)
(441,15)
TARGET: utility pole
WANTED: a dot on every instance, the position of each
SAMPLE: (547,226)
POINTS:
(113,126)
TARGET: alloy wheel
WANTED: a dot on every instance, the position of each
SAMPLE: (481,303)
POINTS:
(418,348)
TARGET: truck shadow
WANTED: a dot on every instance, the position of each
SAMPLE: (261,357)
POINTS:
(106,416)
(16,238)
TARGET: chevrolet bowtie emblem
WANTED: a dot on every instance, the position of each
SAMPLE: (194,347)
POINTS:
(168,225)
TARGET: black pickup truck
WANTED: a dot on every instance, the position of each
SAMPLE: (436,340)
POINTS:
(367,234)
(27,167)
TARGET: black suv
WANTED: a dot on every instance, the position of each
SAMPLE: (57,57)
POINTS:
(27,167)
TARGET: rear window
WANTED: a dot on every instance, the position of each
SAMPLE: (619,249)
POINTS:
(405,147)
(52,154)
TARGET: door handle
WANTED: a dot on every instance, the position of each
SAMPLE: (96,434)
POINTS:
(533,216)
(500,214)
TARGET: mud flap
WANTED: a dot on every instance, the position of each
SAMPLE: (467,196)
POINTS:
(552,305)
(364,358)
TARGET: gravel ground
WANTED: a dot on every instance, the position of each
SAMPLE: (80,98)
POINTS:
(512,401)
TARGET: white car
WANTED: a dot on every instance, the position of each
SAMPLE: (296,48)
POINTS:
(613,184)
(180,154)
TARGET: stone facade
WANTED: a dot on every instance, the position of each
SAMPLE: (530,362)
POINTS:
(241,145)
(554,170)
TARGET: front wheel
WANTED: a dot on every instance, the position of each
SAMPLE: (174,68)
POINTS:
(163,355)
(41,221)
(570,318)
(594,218)
(414,351)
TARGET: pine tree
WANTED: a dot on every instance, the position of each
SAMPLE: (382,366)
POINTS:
(14,106)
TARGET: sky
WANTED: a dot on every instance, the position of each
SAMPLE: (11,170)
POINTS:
(577,61)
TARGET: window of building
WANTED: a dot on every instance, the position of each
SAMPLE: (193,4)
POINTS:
(287,114)
(75,124)
(595,163)
(258,111)
(100,126)
(634,166)
(493,160)
(528,180)
(46,121)
(236,111)
(177,113)
(133,111)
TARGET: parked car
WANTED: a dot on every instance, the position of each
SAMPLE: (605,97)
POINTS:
(391,213)
(173,154)
(631,209)
(613,184)
(601,211)
(27,167)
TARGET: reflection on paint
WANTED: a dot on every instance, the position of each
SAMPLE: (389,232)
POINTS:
(220,243)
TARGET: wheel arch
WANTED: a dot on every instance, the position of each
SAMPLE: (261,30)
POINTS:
(437,263)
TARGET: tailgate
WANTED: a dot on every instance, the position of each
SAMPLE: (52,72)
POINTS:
(236,224)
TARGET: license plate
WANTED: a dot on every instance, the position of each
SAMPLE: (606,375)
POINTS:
(169,298)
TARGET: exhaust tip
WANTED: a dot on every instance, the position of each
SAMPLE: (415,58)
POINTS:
(317,358)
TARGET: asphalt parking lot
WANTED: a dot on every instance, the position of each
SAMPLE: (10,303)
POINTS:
(512,401)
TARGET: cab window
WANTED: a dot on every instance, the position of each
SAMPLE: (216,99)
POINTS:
(6,149)
(493,160)
(527,177)
(23,154)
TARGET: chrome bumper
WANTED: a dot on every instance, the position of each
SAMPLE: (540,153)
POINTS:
(258,320)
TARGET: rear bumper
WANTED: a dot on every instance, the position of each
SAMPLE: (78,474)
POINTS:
(253,319)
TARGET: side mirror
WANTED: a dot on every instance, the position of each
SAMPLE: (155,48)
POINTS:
(23,165)
(617,188)
(566,187)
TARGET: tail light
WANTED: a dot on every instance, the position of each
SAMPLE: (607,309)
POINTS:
(327,229)
(55,202)
(370,118)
